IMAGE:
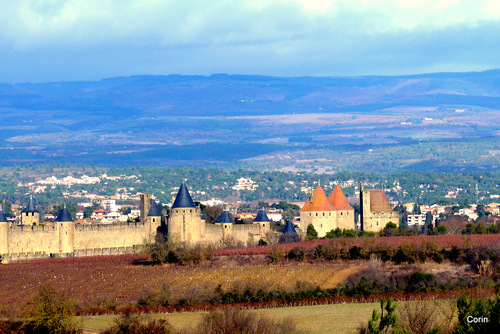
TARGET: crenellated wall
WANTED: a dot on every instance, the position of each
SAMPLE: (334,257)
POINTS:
(33,239)
(69,239)
(109,236)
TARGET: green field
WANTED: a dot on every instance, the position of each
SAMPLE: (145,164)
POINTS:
(335,318)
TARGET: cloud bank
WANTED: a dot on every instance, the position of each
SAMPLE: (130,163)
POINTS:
(86,39)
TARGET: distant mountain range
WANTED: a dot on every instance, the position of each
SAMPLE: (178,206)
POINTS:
(125,120)
(223,94)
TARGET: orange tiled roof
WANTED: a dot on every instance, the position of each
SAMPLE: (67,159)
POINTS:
(379,202)
(320,202)
(338,199)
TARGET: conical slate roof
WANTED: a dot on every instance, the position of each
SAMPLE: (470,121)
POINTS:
(224,218)
(154,210)
(320,202)
(2,218)
(289,228)
(64,216)
(261,217)
(31,206)
(183,199)
(338,199)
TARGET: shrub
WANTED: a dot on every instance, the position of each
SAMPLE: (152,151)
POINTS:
(478,309)
(50,313)
(381,323)
(297,253)
(232,320)
(354,253)
(133,324)
(311,232)
(276,254)
(163,251)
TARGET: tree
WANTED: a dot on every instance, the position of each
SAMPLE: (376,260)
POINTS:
(49,313)
(441,229)
(212,213)
(381,323)
(89,210)
(428,227)
(480,211)
(311,232)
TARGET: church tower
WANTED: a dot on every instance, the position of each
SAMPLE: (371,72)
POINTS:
(184,222)
(30,215)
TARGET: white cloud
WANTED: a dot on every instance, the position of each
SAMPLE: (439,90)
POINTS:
(259,36)
(29,24)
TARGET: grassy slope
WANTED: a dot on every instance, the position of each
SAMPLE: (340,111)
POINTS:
(334,318)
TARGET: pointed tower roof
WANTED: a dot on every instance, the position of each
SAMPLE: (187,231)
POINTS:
(183,199)
(2,218)
(289,228)
(319,202)
(31,206)
(224,218)
(64,216)
(154,210)
(338,199)
(261,217)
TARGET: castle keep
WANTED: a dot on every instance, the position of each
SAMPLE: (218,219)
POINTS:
(376,211)
(334,211)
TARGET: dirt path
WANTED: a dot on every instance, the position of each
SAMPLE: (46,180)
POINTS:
(337,278)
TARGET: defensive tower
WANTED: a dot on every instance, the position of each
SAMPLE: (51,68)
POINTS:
(64,223)
(30,215)
(184,218)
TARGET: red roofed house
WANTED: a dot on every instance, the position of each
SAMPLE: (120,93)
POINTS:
(376,211)
(326,213)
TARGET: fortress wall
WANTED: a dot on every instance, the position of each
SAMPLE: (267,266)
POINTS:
(323,221)
(108,236)
(33,239)
(376,221)
(240,231)
(345,219)
(213,233)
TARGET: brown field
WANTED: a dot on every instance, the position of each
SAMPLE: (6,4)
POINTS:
(119,279)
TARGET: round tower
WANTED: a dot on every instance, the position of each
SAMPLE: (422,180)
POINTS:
(184,218)
(264,223)
(226,224)
(4,235)
(64,223)
(153,220)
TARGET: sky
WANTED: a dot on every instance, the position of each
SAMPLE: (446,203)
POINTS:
(62,40)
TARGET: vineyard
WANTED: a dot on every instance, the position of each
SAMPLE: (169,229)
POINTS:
(118,281)
(113,282)
(446,241)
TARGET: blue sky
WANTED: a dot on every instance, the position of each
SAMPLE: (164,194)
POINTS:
(55,40)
